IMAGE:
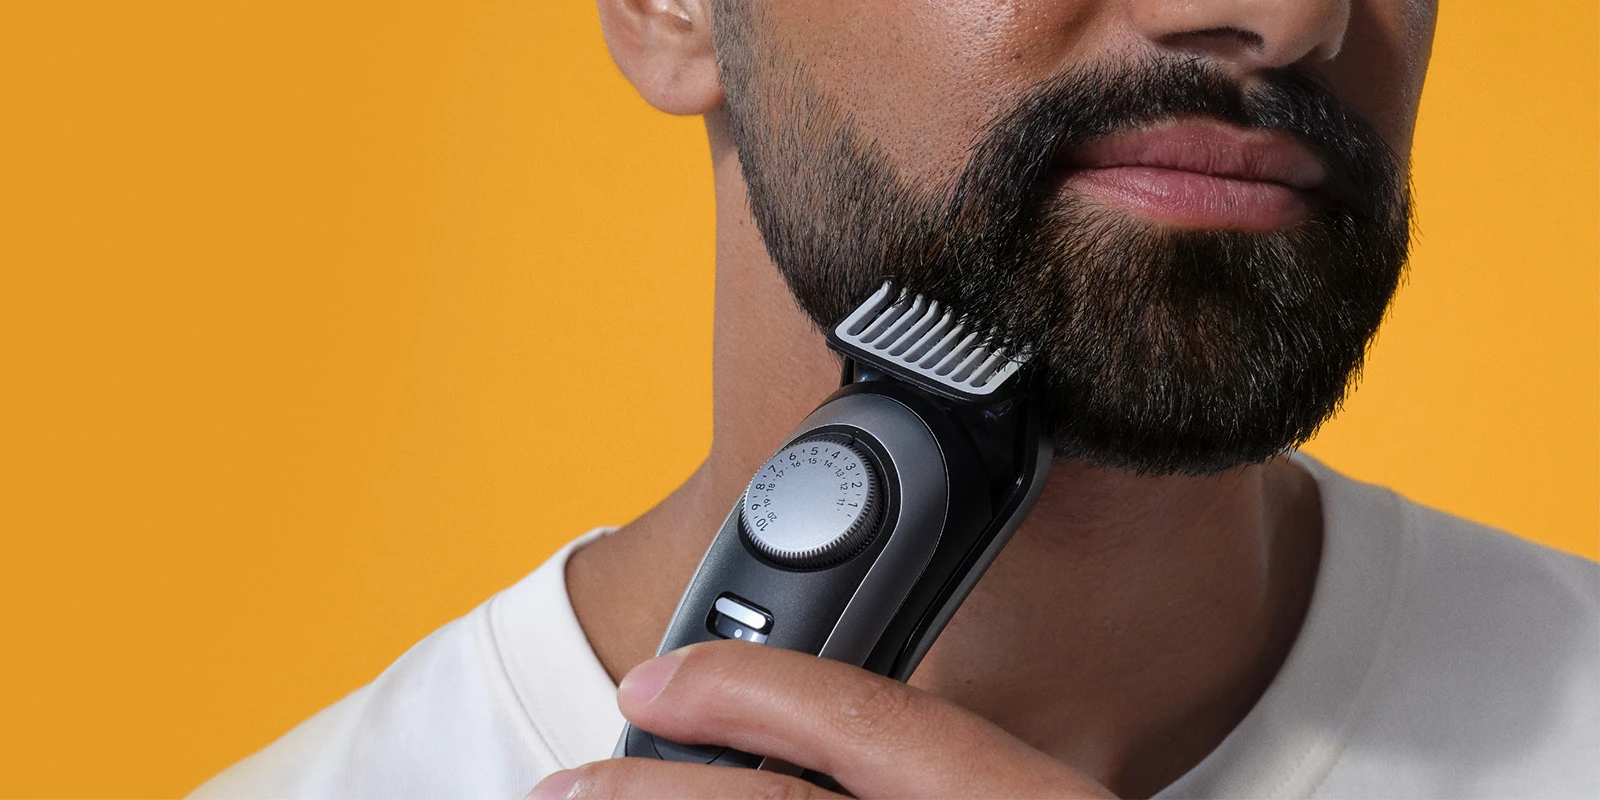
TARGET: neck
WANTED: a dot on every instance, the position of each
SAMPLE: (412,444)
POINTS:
(1126,628)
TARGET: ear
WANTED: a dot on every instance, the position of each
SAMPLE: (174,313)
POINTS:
(665,50)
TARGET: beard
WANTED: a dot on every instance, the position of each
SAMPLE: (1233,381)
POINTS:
(1154,349)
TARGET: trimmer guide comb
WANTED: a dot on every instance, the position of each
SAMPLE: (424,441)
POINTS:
(926,344)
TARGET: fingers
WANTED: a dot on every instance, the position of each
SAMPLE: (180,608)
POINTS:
(638,777)
(875,736)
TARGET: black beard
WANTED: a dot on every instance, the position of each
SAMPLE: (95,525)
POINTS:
(1154,349)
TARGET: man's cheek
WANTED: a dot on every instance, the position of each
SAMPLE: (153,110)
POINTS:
(941,72)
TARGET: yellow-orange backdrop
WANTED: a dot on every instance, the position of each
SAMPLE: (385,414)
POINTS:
(321,322)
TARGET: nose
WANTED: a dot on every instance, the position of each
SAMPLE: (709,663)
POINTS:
(1254,34)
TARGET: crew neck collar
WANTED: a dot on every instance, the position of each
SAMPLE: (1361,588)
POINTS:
(1284,746)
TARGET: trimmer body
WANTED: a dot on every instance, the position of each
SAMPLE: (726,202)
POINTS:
(861,536)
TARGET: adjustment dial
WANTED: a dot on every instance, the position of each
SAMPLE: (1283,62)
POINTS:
(812,504)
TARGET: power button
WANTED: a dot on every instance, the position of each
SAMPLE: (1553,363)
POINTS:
(733,617)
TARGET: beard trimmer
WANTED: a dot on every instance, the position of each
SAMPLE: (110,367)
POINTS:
(861,536)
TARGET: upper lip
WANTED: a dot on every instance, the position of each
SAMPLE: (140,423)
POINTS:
(1207,147)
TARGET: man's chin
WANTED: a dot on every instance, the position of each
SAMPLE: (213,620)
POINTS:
(1155,438)
(1176,462)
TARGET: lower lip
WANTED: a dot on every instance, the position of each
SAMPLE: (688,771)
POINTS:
(1192,199)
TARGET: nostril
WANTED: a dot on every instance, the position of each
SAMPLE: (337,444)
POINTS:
(1216,41)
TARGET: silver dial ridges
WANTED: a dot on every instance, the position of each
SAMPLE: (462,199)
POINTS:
(801,509)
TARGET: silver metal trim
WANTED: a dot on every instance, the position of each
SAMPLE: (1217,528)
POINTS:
(922,490)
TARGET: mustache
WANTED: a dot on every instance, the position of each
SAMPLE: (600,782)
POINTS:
(1015,154)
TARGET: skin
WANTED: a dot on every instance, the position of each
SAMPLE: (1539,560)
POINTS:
(1133,621)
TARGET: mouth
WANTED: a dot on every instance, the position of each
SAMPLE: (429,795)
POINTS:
(1199,174)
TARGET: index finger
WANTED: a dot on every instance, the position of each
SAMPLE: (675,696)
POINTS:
(877,737)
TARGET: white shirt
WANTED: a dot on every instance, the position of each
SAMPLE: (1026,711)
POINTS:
(1439,658)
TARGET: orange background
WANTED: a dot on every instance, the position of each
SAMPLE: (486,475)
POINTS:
(320,322)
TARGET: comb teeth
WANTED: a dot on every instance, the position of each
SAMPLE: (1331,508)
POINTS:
(903,332)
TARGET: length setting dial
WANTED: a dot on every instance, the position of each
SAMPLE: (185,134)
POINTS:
(813,504)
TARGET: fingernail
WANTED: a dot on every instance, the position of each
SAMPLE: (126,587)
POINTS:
(555,786)
(647,680)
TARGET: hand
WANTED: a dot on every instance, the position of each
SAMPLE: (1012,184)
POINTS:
(876,737)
